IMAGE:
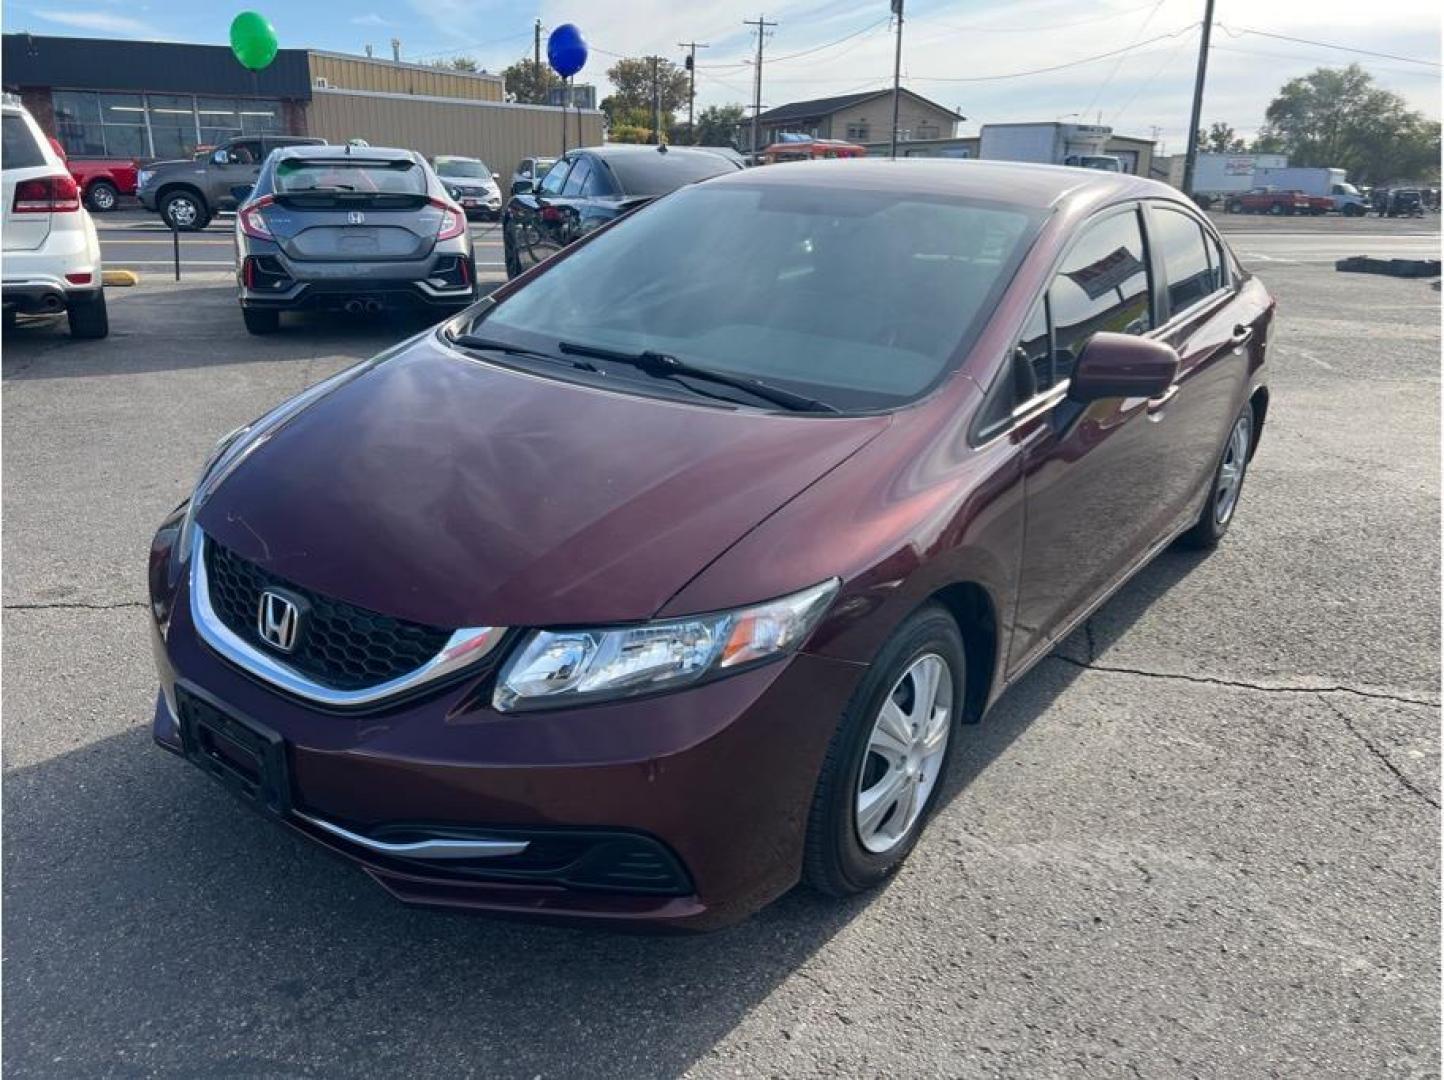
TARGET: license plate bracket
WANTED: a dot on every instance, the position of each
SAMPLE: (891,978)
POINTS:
(246,757)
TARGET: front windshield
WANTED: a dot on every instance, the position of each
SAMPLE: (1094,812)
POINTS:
(461,166)
(860,299)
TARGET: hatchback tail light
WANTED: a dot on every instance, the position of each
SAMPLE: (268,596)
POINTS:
(253,222)
(550,213)
(47,195)
(453,221)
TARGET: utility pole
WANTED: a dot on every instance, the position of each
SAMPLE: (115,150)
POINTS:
(762,24)
(1192,154)
(536,50)
(656,102)
(897,11)
(691,65)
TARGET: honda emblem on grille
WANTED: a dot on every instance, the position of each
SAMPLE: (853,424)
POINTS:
(355,217)
(278,620)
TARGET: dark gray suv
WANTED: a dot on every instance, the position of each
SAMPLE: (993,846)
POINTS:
(359,229)
(188,193)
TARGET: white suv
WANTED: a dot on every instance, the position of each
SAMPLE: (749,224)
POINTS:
(51,253)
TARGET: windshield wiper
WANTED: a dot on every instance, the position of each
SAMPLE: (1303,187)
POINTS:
(665,366)
(475,341)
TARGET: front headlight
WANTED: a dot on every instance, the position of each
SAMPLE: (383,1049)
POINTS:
(566,667)
(142,178)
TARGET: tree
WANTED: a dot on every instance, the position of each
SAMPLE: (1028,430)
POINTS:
(457,63)
(1220,138)
(636,79)
(1339,118)
(717,125)
(530,82)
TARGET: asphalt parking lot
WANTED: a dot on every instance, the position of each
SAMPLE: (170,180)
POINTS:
(1200,840)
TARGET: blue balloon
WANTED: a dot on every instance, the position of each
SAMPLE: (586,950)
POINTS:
(566,50)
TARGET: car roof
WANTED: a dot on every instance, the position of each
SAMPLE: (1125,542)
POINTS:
(621,150)
(1021,184)
(323,151)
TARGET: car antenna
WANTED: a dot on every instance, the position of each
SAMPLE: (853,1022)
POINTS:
(661,148)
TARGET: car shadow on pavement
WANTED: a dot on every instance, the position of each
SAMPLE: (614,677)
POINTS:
(185,935)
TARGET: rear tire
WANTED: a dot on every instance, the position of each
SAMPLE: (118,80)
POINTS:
(261,320)
(1234,207)
(1225,488)
(101,196)
(851,846)
(87,316)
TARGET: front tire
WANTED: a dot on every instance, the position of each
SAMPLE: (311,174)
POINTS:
(184,210)
(261,320)
(1218,510)
(87,316)
(101,196)
(888,759)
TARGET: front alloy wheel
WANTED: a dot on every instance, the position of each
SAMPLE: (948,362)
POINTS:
(904,754)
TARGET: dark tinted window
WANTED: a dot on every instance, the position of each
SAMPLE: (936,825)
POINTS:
(245,153)
(349,176)
(20,148)
(554,180)
(1102,285)
(577,177)
(1034,347)
(1180,242)
(860,298)
(598,182)
(653,173)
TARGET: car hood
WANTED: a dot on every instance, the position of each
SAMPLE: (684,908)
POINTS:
(452,492)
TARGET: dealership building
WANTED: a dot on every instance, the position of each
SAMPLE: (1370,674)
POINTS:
(156,100)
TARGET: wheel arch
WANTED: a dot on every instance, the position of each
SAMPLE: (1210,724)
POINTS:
(171,187)
(972,608)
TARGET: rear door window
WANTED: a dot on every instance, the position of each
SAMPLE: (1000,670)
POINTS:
(577,178)
(1101,285)
(556,178)
(20,149)
(1181,244)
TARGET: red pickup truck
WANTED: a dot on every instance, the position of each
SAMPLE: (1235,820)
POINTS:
(1269,201)
(102,181)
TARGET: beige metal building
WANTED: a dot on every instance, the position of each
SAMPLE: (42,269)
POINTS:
(341,71)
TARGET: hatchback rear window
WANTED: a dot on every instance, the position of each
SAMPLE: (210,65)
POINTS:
(20,149)
(655,174)
(298,176)
(862,299)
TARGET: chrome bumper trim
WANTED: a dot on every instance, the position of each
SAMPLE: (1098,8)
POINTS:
(464,647)
(422,849)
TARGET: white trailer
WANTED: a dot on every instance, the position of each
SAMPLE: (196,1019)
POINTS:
(1049,144)
(1315,181)
(1217,175)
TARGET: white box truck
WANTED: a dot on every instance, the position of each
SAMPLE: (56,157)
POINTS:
(1218,175)
(1080,145)
(1318,182)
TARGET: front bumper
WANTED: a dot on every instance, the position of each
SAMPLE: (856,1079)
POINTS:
(718,779)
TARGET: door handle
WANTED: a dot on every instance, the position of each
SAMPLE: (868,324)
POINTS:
(1158,404)
(1241,337)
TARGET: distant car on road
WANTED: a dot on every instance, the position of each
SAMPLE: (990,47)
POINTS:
(588,188)
(1403,202)
(353,229)
(529,174)
(52,254)
(471,183)
(187,193)
(1265,200)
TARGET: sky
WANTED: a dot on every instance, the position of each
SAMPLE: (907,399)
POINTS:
(953,50)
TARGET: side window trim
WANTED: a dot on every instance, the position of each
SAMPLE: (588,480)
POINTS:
(1166,320)
(1003,377)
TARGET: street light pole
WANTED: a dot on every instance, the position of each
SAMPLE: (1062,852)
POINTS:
(897,10)
(1192,155)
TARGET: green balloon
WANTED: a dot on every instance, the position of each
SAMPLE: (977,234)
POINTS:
(253,40)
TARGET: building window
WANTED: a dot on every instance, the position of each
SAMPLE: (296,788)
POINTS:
(928,131)
(90,124)
(858,132)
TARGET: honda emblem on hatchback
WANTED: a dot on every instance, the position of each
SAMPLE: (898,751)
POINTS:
(355,217)
(278,620)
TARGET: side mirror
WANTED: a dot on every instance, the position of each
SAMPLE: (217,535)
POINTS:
(496,176)
(1121,365)
(521,187)
(241,192)
(220,157)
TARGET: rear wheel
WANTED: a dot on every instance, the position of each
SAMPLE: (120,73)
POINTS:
(886,762)
(1234,207)
(1276,210)
(87,316)
(261,320)
(184,210)
(1218,510)
(101,196)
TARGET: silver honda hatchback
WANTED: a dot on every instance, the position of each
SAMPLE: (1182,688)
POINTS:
(350,228)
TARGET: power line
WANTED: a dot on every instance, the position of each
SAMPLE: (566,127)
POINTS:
(1168,56)
(1304,57)
(1118,63)
(805,52)
(1237,31)
(1056,67)
(975,29)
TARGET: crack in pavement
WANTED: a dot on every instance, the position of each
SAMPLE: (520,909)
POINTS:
(76,605)
(1211,680)
(1383,757)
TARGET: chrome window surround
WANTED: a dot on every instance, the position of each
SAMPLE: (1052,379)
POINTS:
(464,647)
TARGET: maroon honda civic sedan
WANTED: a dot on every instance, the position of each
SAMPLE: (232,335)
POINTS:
(674,572)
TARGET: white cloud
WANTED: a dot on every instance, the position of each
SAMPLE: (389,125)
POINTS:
(370,19)
(101,22)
